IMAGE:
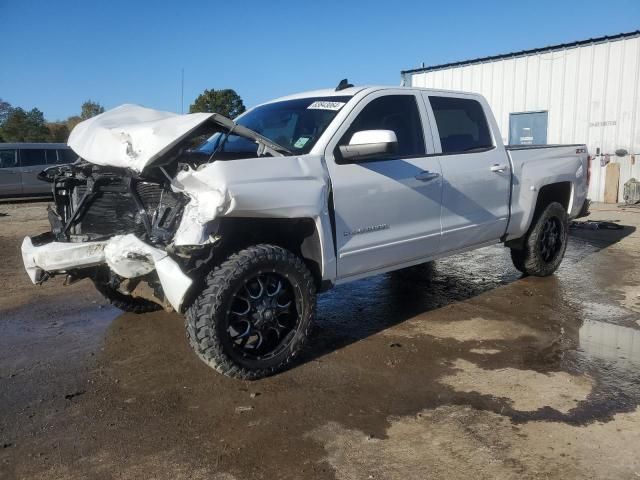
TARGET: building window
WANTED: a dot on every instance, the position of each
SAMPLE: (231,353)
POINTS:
(528,128)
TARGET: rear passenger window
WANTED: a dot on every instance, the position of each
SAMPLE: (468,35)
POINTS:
(51,157)
(8,159)
(32,158)
(392,112)
(67,155)
(462,124)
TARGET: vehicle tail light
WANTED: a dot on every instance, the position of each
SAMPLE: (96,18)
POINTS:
(589,170)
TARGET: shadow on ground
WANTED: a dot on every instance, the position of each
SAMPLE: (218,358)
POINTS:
(84,398)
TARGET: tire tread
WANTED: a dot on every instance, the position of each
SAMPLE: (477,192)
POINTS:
(201,315)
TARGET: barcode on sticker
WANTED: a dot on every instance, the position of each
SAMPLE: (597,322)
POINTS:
(324,105)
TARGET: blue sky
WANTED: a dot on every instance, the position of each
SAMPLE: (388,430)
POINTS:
(56,54)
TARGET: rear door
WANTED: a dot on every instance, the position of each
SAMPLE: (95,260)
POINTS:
(387,209)
(10,180)
(475,169)
(32,162)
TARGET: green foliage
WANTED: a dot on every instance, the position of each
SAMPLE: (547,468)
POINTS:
(90,109)
(5,110)
(72,121)
(18,125)
(225,102)
(22,126)
(58,132)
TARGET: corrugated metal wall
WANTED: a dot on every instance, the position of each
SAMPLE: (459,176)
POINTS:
(591,93)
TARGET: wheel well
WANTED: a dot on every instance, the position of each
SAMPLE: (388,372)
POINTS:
(555,192)
(298,235)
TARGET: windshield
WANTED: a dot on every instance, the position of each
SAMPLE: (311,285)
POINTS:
(293,124)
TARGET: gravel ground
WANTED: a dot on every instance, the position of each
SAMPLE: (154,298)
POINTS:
(464,369)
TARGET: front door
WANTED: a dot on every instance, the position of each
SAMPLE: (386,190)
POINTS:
(387,209)
(32,162)
(10,181)
(476,173)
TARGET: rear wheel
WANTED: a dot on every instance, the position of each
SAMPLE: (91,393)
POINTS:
(254,313)
(545,243)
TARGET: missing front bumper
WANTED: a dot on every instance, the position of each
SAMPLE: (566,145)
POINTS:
(126,255)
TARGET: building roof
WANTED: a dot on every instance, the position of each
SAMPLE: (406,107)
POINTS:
(523,53)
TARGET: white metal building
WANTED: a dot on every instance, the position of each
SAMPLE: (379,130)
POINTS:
(581,92)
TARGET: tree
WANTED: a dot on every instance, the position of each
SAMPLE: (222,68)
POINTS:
(58,132)
(90,109)
(72,121)
(5,110)
(22,126)
(225,102)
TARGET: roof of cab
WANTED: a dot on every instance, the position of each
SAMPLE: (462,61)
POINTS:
(351,91)
(326,92)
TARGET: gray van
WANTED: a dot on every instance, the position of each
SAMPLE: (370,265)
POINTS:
(20,164)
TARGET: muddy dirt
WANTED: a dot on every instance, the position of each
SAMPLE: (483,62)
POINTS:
(456,369)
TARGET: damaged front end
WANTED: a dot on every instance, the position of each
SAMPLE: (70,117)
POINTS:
(116,228)
(124,221)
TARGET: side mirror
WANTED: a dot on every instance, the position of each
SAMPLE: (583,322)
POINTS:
(369,143)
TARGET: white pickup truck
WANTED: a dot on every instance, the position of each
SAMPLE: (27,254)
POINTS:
(293,197)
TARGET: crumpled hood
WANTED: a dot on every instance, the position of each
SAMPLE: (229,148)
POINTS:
(131,136)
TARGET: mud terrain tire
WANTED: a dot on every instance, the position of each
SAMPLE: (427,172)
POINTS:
(217,316)
(545,243)
(126,302)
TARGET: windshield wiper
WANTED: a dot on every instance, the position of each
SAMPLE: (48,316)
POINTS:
(261,140)
(237,129)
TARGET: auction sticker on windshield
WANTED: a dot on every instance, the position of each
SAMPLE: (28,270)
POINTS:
(301,142)
(325,105)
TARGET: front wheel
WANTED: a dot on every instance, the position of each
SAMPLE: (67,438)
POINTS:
(124,302)
(254,314)
(545,243)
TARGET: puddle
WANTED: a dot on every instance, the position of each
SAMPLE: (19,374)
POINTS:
(612,343)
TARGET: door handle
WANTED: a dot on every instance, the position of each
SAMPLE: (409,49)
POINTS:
(427,176)
(498,168)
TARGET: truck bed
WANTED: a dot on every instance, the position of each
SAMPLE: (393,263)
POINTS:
(536,147)
(534,166)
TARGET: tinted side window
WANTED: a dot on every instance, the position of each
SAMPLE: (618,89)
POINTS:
(51,157)
(32,157)
(67,156)
(392,112)
(8,159)
(461,123)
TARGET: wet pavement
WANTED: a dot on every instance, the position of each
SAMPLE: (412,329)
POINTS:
(453,369)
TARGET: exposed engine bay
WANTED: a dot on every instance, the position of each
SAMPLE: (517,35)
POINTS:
(95,203)
(121,227)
